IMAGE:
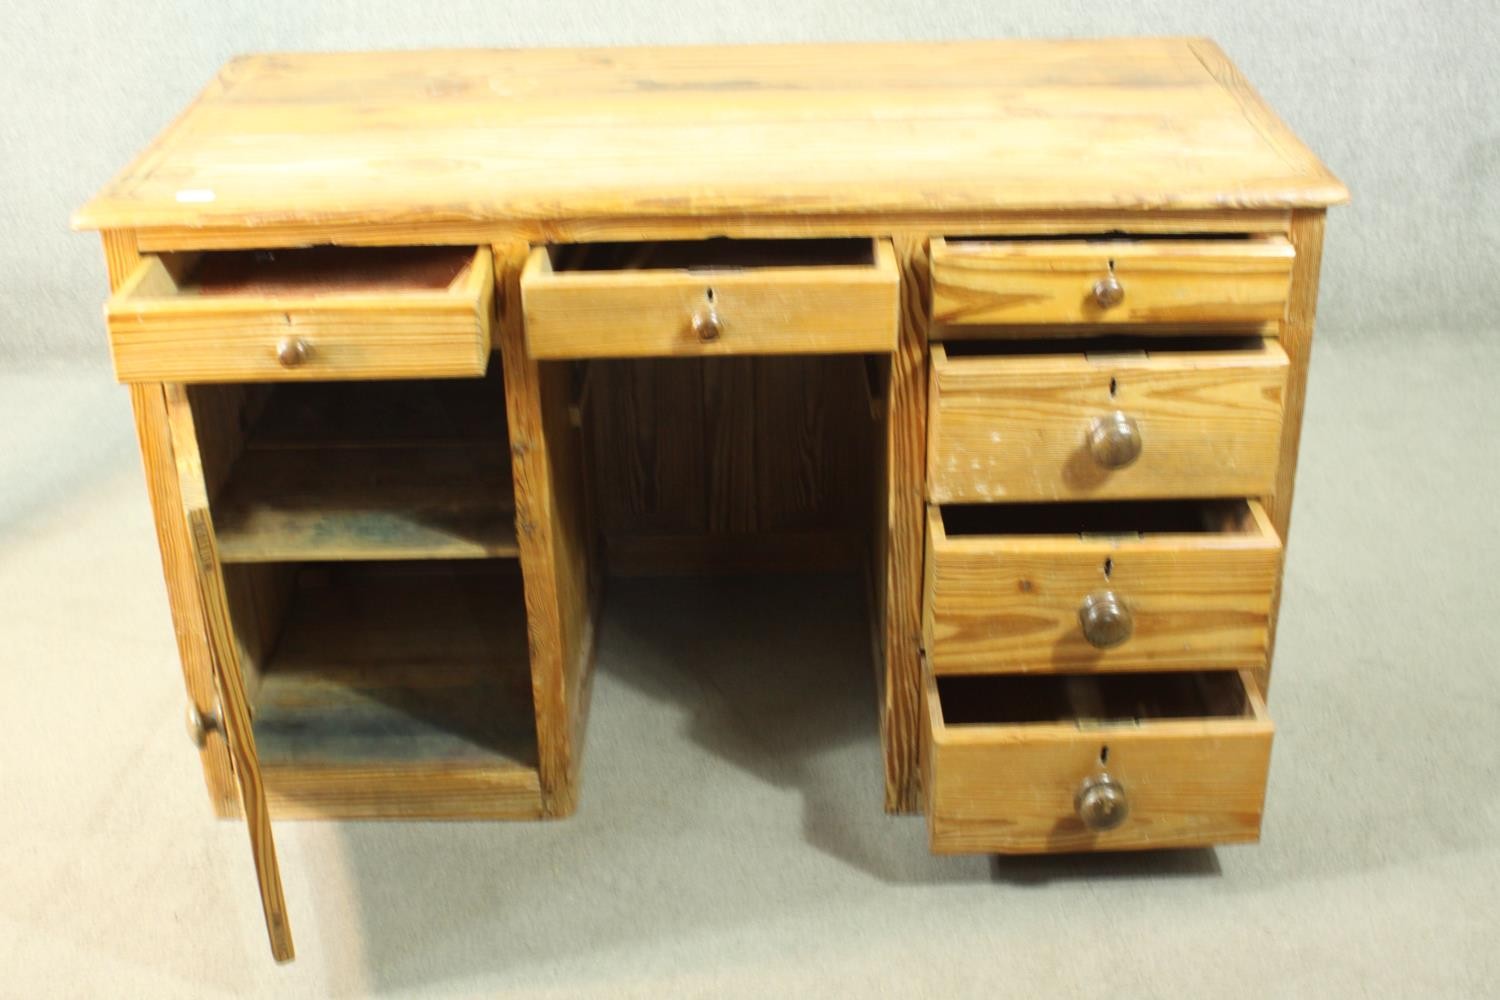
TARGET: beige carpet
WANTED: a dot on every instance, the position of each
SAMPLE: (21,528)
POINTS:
(730,840)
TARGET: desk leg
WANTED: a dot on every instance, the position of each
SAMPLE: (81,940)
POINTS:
(901,546)
(188,621)
(561,578)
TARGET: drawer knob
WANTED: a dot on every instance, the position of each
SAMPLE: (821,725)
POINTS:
(1115,440)
(200,724)
(1108,292)
(1101,803)
(707,325)
(1106,620)
(292,351)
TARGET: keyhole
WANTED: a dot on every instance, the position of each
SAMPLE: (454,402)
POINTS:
(1114,387)
(1104,755)
(1109,568)
(709,294)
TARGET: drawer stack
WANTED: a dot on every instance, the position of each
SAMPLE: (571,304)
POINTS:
(1105,417)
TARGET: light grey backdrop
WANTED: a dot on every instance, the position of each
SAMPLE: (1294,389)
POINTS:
(1399,98)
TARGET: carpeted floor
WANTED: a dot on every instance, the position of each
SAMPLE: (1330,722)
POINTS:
(730,840)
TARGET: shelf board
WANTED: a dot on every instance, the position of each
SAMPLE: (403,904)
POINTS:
(409,502)
(400,689)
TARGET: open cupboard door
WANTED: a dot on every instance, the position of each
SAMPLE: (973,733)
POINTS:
(229,680)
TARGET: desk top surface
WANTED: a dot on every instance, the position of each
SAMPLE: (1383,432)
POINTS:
(413,138)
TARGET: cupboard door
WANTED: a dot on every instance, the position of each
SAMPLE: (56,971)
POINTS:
(229,680)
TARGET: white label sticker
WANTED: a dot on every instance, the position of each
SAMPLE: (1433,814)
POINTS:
(195,195)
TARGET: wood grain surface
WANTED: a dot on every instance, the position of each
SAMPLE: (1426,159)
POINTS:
(404,138)
(1184,282)
(835,308)
(164,329)
(232,707)
(1010,788)
(1009,603)
(148,404)
(561,575)
(1008,427)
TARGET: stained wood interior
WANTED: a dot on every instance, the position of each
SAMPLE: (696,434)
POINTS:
(1112,236)
(399,663)
(1146,346)
(412,469)
(1143,517)
(718,254)
(734,464)
(323,270)
(1096,698)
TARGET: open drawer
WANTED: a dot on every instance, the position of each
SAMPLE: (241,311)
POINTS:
(711,297)
(1109,280)
(1029,588)
(320,313)
(1024,765)
(1104,418)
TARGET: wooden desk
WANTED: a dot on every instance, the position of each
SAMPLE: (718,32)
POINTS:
(424,345)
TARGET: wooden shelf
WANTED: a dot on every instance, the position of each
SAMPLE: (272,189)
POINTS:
(336,471)
(400,689)
(419,502)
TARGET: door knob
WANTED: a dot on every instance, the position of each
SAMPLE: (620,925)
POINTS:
(200,724)
(1108,292)
(707,324)
(1114,441)
(1101,803)
(292,351)
(1106,620)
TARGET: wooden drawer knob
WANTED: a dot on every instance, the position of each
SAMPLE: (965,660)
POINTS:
(1108,292)
(1106,620)
(292,351)
(1101,803)
(707,324)
(1114,441)
(199,725)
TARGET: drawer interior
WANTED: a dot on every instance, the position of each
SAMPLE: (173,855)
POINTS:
(1113,237)
(309,272)
(712,255)
(1089,700)
(1106,349)
(1125,518)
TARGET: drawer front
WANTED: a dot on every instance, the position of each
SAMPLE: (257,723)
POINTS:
(321,314)
(1050,427)
(1109,282)
(1058,786)
(810,309)
(1014,603)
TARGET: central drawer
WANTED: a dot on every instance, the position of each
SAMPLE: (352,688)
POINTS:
(1104,418)
(1101,587)
(710,297)
(1023,765)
